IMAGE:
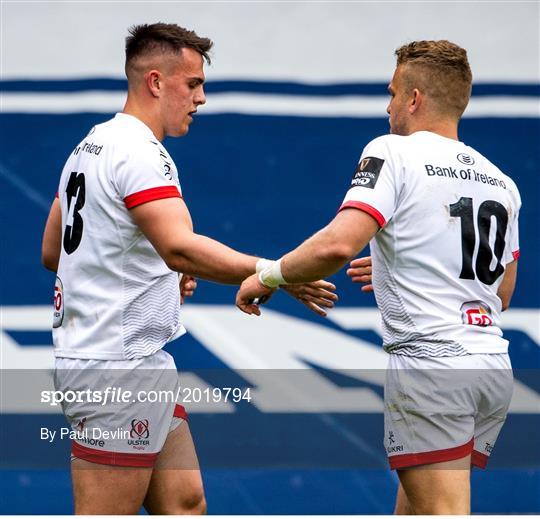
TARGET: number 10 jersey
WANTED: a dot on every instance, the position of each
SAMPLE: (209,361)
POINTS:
(449,227)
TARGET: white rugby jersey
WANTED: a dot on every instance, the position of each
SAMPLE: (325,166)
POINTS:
(115,298)
(449,226)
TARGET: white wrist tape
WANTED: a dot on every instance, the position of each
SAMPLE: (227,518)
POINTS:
(262,264)
(271,276)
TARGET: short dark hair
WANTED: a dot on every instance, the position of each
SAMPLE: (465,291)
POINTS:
(165,37)
(441,69)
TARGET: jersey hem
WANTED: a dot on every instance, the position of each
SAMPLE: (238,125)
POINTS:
(486,351)
(99,355)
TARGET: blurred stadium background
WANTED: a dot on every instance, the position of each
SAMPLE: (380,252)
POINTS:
(294,93)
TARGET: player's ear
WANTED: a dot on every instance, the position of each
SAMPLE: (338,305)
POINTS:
(415,101)
(153,81)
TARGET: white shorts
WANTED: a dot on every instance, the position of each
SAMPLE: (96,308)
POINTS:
(445,408)
(120,412)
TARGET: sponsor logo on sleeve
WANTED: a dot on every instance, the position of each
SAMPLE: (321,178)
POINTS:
(166,162)
(367,172)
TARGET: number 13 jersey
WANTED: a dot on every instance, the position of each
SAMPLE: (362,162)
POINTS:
(449,227)
(115,298)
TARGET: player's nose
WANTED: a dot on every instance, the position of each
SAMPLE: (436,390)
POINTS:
(200,97)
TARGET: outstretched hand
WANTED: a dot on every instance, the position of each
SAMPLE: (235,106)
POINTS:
(316,295)
(360,271)
(250,290)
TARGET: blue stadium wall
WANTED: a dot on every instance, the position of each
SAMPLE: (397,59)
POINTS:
(265,164)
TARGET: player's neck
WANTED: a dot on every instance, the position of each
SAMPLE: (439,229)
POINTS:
(144,115)
(444,128)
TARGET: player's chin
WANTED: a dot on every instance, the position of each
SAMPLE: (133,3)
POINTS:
(181,131)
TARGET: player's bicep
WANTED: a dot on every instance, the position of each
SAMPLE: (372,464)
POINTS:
(52,237)
(167,225)
(508,284)
(354,227)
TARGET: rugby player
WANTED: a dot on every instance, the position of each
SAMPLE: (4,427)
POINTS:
(442,223)
(116,232)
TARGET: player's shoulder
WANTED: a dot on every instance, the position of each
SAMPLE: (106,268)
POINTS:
(492,169)
(397,143)
(391,148)
(386,141)
(128,137)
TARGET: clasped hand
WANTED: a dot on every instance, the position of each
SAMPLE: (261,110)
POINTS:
(316,295)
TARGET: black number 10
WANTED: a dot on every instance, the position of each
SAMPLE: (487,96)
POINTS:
(463,209)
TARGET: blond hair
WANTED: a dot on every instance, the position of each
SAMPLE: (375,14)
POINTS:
(440,69)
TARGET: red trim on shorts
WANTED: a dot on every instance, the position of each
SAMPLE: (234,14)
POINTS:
(516,254)
(478,459)
(402,461)
(57,195)
(149,195)
(120,459)
(367,209)
(180,412)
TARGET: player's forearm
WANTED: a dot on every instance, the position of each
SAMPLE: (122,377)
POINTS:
(325,252)
(317,258)
(205,258)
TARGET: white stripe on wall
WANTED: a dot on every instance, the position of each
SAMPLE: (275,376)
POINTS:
(259,104)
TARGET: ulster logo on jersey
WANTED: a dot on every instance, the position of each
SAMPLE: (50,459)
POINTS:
(476,313)
(367,172)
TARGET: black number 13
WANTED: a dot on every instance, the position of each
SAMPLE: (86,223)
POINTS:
(463,209)
(73,233)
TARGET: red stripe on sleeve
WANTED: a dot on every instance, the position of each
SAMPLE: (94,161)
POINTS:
(367,209)
(148,195)
(516,254)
